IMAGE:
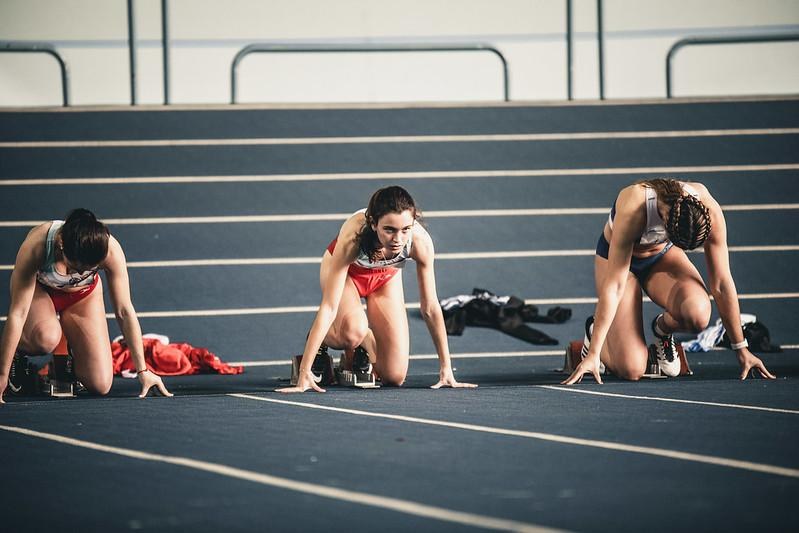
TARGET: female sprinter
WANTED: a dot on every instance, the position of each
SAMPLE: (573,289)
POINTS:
(643,246)
(55,287)
(363,262)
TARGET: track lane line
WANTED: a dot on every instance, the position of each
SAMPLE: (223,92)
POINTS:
(549,437)
(449,174)
(402,139)
(349,496)
(672,400)
(321,217)
(444,256)
(411,305)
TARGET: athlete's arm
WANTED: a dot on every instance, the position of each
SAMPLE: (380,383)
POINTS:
(345,253)
(627,226)
(722,286)
(23,284)
(116,270)
(423,253)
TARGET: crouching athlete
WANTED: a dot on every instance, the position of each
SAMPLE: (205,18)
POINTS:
(364,261)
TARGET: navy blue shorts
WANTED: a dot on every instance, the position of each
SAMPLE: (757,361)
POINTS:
(639,266)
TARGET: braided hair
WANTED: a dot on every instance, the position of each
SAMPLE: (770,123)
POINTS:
(689,224)
(393,199)
(84,239)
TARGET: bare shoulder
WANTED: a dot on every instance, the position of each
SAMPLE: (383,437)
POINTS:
(115,257)
(422,244)
(701,189)
(349,233)
(631,199)
(35,240)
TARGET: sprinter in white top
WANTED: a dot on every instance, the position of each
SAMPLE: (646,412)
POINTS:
(55,288)
(363,262)
(642,247)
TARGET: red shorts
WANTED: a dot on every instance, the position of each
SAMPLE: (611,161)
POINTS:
(63,300)
(367,280)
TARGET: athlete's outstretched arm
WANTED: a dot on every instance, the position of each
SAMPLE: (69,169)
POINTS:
(345,253)
(722,287)
(423,254)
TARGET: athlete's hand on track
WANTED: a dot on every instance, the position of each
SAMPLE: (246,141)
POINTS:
(447,379)
(149,380)
(749,361)
(589,365)
(304,382)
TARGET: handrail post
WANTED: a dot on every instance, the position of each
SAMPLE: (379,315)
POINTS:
(44,48)
(165,46)
(600,38)
(732,39)
(569,49)
(365,48)
(132,52)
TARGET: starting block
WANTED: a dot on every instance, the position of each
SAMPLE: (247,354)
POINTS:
(322,369)
(573,358)
(354,378)
(56,378)
(348,378)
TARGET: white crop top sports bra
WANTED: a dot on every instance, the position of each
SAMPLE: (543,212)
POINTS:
(655,232)
(50,277)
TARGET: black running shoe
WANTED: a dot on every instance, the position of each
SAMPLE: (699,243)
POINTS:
(22,378)
(319,366)
(589,329)
(360,361)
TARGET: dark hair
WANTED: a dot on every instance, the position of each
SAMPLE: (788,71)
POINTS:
(84,239)
(689,223)
(392,199)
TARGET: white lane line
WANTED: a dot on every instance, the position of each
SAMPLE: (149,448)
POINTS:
(429,356)
(394,139)
(615,446)
(450,174)
(472,355)
(412,305)
(255,261)
(345,495)
(672,400)
(320,217)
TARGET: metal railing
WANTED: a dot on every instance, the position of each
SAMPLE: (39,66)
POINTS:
(360,48)
(43,48)
(600,38)
(735,39)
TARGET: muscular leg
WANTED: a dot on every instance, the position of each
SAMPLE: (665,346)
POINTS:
(350,328)
(42,331)
(625,351)
(676,286)
(86,329)
(389,323)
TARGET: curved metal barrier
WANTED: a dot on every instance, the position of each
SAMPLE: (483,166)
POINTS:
(343,48)
(739,39)
(43,48)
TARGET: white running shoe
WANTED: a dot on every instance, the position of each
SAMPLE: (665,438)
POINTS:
(666,352)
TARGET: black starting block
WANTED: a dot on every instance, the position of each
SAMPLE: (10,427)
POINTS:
(54,378)
(322,369)
(573,358)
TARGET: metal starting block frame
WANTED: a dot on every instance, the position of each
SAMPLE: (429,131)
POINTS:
(348,378)
(573,358)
